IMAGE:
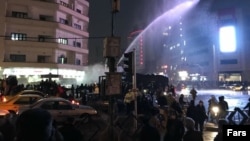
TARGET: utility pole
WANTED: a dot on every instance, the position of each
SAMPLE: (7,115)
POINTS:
(135,87)
(115,9)
(113,79)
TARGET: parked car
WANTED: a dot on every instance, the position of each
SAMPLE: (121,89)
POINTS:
(24,92)
(13,104)
(238,87)
(61,109)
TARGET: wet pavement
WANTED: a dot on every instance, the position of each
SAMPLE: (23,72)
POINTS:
(210,131)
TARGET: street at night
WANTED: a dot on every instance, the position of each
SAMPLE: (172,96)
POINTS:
(234,98)
(124,70)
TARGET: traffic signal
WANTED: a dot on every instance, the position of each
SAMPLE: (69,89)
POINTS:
(128,62)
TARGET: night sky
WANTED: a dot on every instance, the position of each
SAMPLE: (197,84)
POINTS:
(133,14)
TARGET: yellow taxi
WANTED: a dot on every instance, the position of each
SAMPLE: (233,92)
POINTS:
(14,103)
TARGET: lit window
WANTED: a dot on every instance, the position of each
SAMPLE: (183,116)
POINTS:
(62,59)
(63,41)
(227,39)
(18,36)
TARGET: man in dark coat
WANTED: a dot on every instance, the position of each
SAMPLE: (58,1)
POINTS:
(191,134)
(201,116)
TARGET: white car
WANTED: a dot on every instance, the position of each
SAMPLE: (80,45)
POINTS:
(13,104)
(24,92)
(61,109)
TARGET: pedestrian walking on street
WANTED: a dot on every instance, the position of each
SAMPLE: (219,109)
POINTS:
(193,92)
(182,101)
(201,116)
(223,106)
(191,110)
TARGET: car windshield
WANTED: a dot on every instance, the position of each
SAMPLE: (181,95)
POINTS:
(24,99)
(51,100)
(32,92)
(36,103)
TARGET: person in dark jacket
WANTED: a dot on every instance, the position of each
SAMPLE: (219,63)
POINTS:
(191,134)
(191,110)
(182,101)
(36,125)
(223,106)
(201,116)
(193,92)
(175,128)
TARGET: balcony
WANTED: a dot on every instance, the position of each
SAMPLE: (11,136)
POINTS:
(46,24)
(37,43)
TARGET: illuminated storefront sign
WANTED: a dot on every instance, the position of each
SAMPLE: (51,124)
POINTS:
(40,71)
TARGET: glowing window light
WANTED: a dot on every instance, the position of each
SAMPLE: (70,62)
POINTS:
(227,39)
(183,75)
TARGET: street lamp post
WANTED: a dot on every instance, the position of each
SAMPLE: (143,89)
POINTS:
(215,75)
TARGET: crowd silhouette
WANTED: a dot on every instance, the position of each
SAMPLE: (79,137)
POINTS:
(172,118)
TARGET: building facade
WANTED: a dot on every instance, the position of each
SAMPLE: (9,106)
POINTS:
(231,43)
(209,43)
(138,46)
(44,37)
(187,46)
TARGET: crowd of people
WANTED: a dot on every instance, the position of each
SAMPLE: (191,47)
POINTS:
(180,121)
(185,120)
(38,125)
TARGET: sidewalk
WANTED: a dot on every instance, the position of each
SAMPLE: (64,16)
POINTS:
(210,131)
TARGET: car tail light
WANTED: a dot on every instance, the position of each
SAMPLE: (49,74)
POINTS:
(74,102)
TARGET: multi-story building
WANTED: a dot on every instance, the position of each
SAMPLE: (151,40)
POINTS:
(187,46)
(138,46)
(232,44)
(44,36)
(209,43)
